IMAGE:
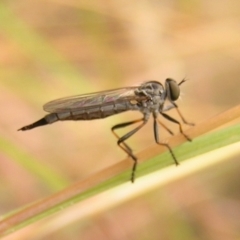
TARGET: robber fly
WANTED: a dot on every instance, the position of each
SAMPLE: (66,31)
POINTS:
(148,98)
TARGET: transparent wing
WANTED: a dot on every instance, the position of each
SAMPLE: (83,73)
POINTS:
(96,99)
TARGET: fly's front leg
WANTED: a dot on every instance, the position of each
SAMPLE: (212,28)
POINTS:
(179,124)
(156,136)
(124,146)
(180,114)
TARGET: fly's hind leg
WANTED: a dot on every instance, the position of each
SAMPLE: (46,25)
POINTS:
(121,140)
(122,125)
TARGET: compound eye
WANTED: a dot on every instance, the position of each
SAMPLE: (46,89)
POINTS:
(173,90)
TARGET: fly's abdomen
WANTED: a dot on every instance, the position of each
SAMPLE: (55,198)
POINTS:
(88,113)
(95,112)
(48,119)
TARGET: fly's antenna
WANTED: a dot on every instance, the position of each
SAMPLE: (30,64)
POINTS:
(184,80)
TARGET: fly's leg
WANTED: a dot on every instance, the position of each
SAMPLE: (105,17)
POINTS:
(122,125)
(179,124)
(181,116)
(156,136)
(124,146)
(164,126)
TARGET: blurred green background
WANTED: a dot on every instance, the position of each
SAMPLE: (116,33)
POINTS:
(52,49)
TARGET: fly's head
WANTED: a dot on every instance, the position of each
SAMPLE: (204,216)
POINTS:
(172,89)
(153,93)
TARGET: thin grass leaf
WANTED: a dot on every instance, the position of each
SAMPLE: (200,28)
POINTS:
(152,159)
(47,176)
(37,47)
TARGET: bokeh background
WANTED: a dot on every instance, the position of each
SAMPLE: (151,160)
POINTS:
(51,49)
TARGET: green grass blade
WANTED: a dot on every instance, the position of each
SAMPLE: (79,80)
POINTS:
(152,159)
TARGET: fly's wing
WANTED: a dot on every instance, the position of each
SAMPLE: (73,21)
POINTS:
(75,103)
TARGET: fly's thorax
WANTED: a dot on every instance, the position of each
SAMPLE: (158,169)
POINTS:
(154,105)
(153,96)
(150,90)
